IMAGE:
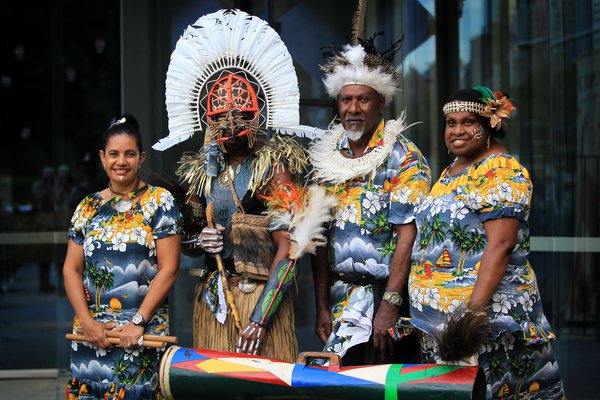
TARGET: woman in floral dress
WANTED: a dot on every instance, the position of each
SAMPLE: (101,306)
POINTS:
(122,260)
(470,255)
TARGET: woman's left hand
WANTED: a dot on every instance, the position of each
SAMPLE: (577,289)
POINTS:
(131,335)
(250,338)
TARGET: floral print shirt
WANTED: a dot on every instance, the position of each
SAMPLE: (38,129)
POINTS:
(362,236)
(120,264)
(451,240)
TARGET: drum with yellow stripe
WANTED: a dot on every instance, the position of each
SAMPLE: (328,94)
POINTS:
(187,373)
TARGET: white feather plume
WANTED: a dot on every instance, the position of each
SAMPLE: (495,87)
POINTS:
(307,222)
(356,73)
(228,39)
(355,54)
(329,165)
(303,131)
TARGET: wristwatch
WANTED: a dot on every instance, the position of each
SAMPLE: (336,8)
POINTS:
(138,319)
(393,298)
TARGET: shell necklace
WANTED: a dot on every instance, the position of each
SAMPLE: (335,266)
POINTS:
(124,201)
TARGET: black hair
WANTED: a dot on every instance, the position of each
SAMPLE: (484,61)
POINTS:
(125,124)
(475,96)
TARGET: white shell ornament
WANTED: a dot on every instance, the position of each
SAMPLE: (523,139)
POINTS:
(247,285)
(123,205)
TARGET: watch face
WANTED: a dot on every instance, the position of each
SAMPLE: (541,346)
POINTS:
(393,298)
(137,319)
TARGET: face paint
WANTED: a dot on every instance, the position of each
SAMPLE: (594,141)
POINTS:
(232,111)
(477,132)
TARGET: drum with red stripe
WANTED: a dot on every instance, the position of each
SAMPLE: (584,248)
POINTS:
(187,373)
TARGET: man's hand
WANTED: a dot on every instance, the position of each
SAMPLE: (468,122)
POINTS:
(323,325)
(386,316)
(250,338)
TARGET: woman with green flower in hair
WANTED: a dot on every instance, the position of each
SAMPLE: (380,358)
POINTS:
(473,294)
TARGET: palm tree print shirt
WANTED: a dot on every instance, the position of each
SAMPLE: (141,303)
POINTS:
(362,235)
(451,240)
(120,264)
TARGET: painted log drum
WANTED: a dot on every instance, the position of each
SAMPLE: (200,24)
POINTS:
(188,373)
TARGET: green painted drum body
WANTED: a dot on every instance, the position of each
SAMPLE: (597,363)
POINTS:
(187,373)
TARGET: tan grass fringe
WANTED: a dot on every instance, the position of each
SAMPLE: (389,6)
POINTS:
(253,246)
(280,342)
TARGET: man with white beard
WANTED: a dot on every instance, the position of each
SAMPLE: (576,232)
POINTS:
(378,176)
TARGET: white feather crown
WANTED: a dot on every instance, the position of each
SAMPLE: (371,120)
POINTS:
(354,66)
(229,40)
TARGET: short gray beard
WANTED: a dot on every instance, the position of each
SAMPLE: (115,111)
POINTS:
(354,135)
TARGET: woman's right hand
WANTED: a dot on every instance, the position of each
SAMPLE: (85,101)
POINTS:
(211,239)
(95,333)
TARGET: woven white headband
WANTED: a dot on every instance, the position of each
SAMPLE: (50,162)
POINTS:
(462,106)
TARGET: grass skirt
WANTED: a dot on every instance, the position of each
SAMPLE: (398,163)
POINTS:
(279,342)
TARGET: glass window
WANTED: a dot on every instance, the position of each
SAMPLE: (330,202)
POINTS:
(59,86)
(545,54)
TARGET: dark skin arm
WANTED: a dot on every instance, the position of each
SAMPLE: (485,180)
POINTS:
(502,237)
(322,276)
(253,333)
(387,314)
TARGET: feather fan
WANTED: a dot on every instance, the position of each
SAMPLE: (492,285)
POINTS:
(465,332)
(308,222)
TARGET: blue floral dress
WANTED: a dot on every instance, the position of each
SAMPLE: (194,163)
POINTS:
(451,239)
(120,264)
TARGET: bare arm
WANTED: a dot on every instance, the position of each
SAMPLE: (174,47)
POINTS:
(502,237)
(73,277)
(168,253)
(321,271)
(283,246)
(387,314)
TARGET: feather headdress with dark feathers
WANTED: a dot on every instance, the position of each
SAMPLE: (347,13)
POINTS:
(361,62)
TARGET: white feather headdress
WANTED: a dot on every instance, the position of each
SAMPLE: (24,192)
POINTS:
(228,40)
(354,71)
(360,63)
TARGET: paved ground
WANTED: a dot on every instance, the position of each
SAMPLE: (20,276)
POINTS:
(34,389)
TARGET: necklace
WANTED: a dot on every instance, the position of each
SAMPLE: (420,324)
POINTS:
(330,165)
(129,195)
(124,201)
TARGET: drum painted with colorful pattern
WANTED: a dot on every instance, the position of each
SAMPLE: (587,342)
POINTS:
(187,373)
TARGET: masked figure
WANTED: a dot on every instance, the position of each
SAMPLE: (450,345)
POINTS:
(232,75)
